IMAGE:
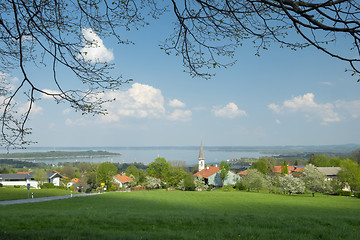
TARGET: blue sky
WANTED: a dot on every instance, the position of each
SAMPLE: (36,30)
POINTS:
(283,97)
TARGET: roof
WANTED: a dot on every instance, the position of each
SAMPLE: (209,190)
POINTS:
(207,172)
(23,172)
(243,173)
(123,178)
(329,171)
(16,176)
(54,174)
(277,169)
(75,180)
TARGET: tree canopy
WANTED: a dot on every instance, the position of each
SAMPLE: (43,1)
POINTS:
(59,34)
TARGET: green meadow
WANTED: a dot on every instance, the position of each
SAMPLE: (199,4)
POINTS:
(184,215)
(11,193)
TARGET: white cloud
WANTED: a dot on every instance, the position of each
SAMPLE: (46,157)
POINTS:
(35,109)
(139,101)
(94,49)
(175,103)
(180,115)
(278,121)
(307,105)
(231,110)
(351,107)
(45,96)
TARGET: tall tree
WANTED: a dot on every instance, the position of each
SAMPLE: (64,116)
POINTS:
(224,171)
(56,32)
(159,168)
(350,174)
(105,173)
(284,168)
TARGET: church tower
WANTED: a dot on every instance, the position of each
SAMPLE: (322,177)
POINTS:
(201,158)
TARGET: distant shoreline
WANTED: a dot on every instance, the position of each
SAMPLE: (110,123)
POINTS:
(50,155)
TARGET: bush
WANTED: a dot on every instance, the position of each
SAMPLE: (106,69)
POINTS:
(228,188)
(240,186)
(1,185)
(357,194)
(88,190)
(344,193)
(47,185)
(16,186)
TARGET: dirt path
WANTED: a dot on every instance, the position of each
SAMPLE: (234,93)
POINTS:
(32,200)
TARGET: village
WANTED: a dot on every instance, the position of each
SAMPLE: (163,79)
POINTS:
(160,174)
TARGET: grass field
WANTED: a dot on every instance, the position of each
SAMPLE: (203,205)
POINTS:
(11,193)
(184,215)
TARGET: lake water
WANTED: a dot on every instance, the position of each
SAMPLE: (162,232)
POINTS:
(148,154)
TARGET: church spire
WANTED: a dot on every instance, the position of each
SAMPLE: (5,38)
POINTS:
(201,158)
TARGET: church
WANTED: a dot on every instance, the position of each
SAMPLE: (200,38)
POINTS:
(211,174)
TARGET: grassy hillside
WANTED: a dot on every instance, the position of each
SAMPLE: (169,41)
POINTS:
(11,193)
(184,215)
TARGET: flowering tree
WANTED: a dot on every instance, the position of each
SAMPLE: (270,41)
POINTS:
(291,184)
(314,180)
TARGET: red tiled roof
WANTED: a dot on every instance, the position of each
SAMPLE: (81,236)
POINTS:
(123,178)
(277,169)
(243,173)
(75,180)
(23,172)
(207,172)
(298,169)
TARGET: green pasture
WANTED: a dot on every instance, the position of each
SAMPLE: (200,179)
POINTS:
(184,215)
(11,193)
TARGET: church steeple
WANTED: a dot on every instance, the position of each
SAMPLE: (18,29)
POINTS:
(201,158)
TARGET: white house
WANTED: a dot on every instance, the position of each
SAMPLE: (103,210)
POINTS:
(24,178)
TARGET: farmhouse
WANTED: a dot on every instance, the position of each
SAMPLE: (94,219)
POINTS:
(24,178)
(123,180)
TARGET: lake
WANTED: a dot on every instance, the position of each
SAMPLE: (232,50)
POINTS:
(148,154)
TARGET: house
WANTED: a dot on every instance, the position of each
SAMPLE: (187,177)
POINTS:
(293,170)
(211,176)
(123,180)
(24,178)
(330,172)
(73,182)
(18,179)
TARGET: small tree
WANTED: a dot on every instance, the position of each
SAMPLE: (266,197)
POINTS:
(261,166)
(314,180)
(200,184)
(224,172)
(152,183)
(68,171)
(290,184)
(40,176)
(284,168)
(253,179)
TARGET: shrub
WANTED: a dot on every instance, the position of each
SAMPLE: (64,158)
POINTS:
(344,193)
(240,186)
(357,194)
(47,185)
(1,185)
(228,188)
(16,186)
(88,190)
